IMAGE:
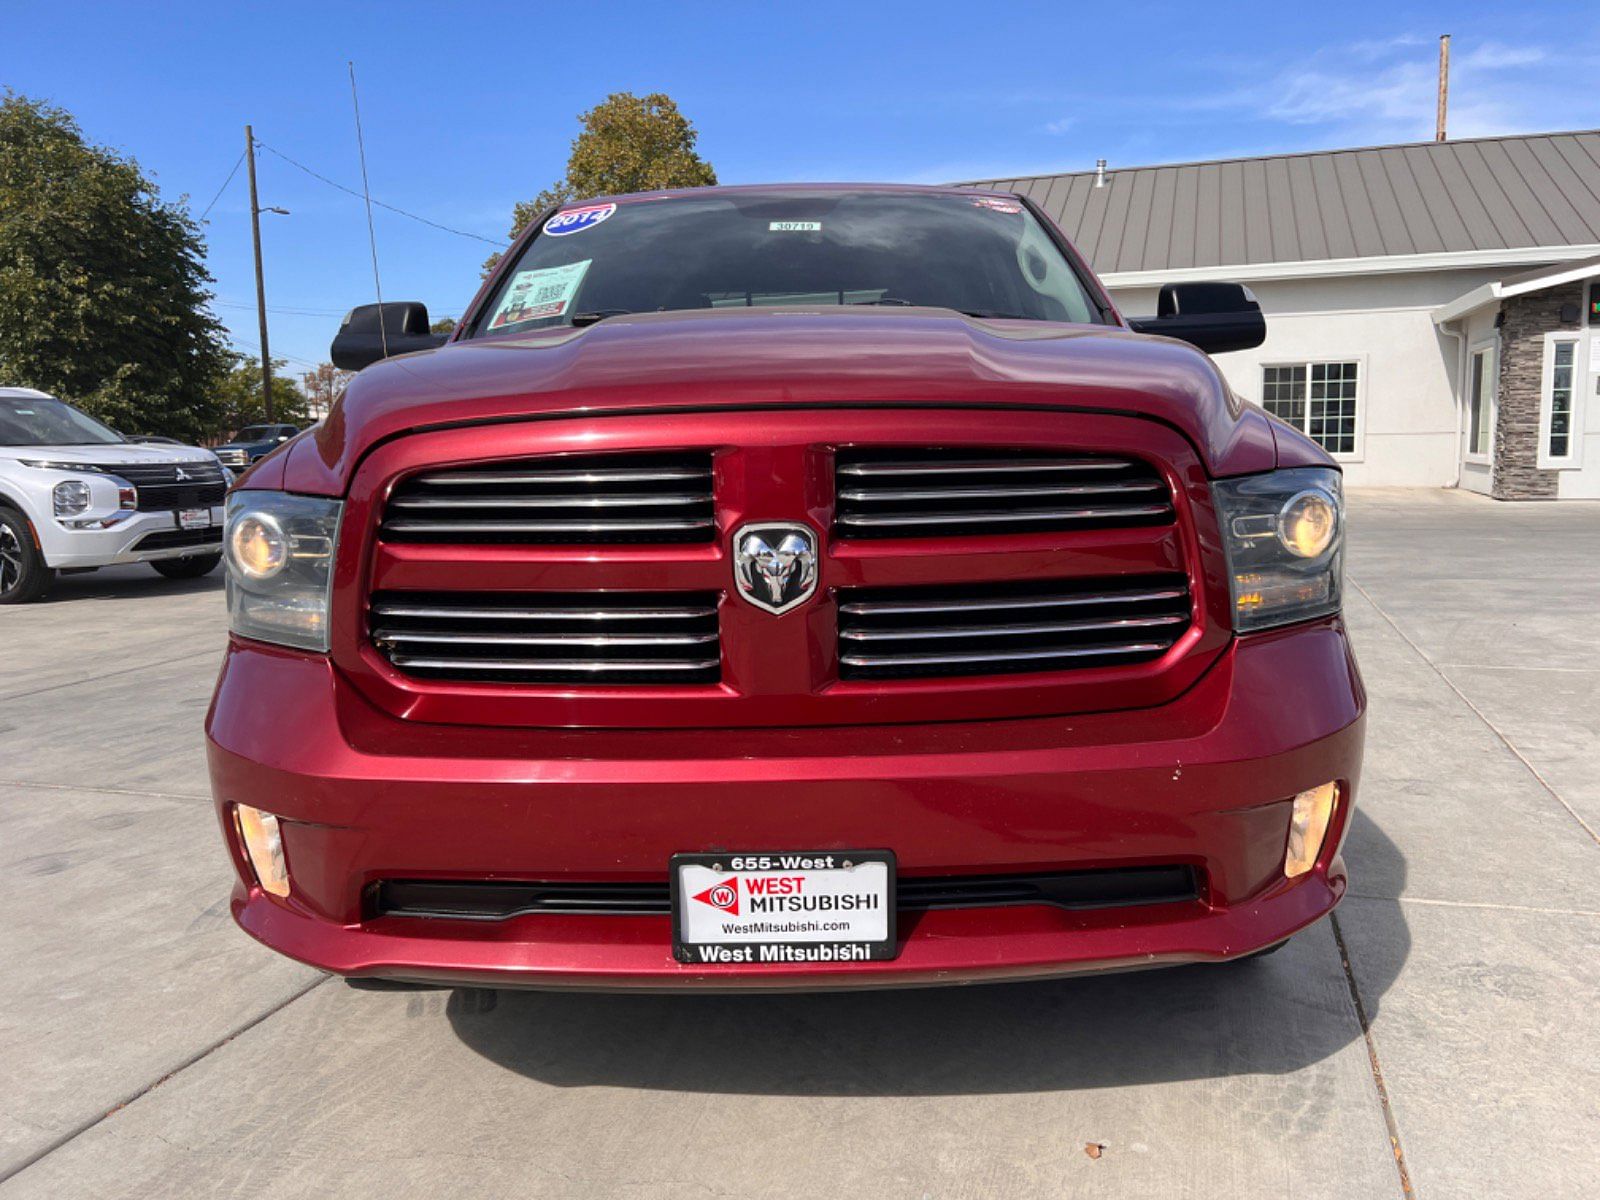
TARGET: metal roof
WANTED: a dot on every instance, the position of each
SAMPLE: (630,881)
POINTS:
(1479,194)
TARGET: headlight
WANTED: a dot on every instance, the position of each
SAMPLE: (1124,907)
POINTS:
(45,464)
(1284,537)
(257,546)
(279,550)
(70,498)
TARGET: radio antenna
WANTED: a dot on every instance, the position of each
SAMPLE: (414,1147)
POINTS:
(366,192)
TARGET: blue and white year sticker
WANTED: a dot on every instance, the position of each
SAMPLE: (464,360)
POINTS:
(576,220)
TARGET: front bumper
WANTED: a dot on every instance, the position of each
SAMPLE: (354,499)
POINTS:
(129,541)
(1205,780)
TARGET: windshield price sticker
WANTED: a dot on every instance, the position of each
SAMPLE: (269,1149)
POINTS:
(576,220)
(783,907)
(546,292)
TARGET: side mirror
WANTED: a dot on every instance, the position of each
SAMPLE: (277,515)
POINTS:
(374,331)
(1216,317)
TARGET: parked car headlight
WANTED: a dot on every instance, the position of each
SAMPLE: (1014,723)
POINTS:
(70,498)
(279,551)
(1284,537)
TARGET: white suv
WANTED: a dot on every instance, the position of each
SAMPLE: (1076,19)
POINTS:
(74,495)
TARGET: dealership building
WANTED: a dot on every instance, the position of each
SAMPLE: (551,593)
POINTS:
(1433,310)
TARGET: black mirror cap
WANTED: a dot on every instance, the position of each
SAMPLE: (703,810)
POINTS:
(374,331)
(1215,317)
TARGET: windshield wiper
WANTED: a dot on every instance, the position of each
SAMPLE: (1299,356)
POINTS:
(984,314)
(600,314)
(894,301)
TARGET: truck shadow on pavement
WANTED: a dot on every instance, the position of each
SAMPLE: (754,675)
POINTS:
(1274,1015)
(131,582)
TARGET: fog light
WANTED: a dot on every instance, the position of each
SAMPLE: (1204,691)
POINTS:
(264,844)
(1308,825)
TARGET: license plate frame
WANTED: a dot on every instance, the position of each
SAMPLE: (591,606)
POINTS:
(193,518)
(868,873)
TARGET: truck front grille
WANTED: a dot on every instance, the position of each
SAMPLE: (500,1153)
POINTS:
(561,500)
(994,629)
(499,900)
(931,493)
(588,638)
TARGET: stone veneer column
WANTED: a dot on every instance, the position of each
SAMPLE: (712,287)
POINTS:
(1516,433)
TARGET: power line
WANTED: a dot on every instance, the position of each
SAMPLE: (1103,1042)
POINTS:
(293,312)
(372,237)
(249,345)
(353,192)
(312,312)
(236,164)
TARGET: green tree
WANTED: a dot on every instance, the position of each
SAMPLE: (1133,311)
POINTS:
(627,144)
(103,288)
(239,402)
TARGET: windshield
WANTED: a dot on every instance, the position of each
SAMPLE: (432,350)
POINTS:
(256,433)
(981,255)
(42,421)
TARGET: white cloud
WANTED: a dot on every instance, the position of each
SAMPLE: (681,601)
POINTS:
(1060,125)
(1376,91)
(1492,56)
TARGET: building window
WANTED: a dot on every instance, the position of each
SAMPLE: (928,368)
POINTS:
(1318,398)
(1561,400)
(1480,405)
(1558,402)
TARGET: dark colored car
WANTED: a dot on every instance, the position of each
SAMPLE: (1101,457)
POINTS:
(788,587)
(253,443)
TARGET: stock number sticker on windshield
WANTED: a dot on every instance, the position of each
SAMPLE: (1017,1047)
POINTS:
(794,226)
(576,220)
(546,292)
(826,906)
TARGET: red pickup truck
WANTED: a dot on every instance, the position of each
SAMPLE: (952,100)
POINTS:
(787,587)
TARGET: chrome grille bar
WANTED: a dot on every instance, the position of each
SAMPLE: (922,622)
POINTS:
(997,629)
(1001,603)
(971,631)
(1006,493)
(998,661)
(549,637)
(571,531)
(546,639)
(464,612)
(897,493)
(620,498)
(988,466)
(615,475)
(472,667)
(1005,518)
(496,502)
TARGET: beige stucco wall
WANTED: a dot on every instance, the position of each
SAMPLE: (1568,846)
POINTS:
(1406,432)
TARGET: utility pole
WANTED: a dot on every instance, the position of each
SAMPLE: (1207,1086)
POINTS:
(261,287)
(1444,85)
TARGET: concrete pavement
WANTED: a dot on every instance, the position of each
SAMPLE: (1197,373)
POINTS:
(1444,1022)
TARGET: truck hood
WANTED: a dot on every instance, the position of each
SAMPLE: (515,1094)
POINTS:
(128,454)
(810,357)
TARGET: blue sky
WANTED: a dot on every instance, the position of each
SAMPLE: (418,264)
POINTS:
(470,108)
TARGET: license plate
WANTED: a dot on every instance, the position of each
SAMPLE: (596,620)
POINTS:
(194,518)
(783,907)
